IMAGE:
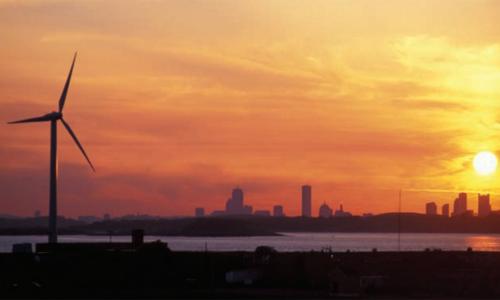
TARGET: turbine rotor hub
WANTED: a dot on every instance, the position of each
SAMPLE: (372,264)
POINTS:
(55,115)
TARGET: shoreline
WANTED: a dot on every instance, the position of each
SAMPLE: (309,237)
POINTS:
(280,233)
(291,242)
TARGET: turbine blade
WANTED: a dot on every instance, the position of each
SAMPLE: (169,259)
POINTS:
(66,86)
(31,120)
(77,143)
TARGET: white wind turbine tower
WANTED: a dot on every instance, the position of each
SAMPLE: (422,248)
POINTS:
(53,117)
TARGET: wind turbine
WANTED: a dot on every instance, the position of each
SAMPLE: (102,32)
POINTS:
(53,117)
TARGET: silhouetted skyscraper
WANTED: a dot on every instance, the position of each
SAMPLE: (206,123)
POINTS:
(247,210)
(237,196)
(460,205)
(325,211)
(235,204)
(306,201)
(278,211)
(431,208)
(230,206)
(199,212)
(445,210)
(483,205)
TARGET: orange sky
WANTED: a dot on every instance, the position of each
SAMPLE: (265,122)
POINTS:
(176,102)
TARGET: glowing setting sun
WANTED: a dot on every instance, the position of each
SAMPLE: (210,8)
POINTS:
(485,163)
(178,102)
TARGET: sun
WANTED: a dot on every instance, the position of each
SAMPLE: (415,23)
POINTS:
(485,163)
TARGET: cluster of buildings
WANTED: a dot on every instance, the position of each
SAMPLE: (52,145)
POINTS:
(460,207)
(235,206)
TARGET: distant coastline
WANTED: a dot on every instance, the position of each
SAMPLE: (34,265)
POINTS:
(259,226)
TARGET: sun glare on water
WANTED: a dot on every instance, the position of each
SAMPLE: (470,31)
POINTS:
(485,163)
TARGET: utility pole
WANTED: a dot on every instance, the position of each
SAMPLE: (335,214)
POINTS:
(399,222)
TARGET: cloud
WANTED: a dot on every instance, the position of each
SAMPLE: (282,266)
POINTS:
(430,105)
(178,102)
(83,192)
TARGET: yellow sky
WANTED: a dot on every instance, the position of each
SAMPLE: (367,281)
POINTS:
(177,102)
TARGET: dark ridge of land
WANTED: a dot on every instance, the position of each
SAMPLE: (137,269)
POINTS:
(162,227)
(260,226)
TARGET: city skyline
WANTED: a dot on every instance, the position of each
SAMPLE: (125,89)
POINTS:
(253,149)
(460,205)
(235,206)
(358,100)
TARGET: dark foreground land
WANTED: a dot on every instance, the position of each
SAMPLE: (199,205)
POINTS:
(152,271)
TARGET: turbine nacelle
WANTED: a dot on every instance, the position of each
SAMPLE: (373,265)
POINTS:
(55,115)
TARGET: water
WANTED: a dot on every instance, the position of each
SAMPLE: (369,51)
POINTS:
(297,241)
